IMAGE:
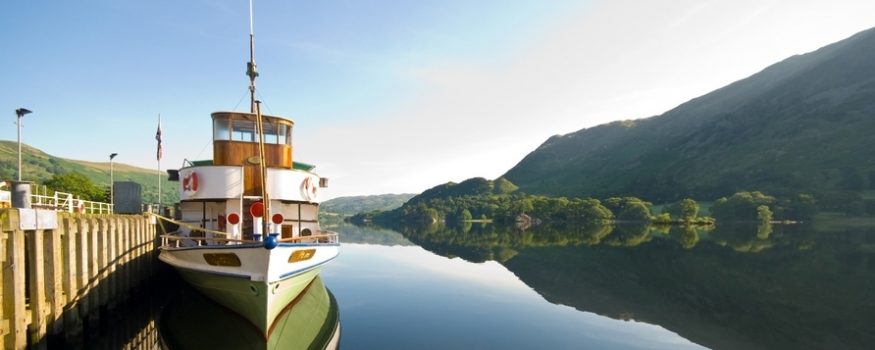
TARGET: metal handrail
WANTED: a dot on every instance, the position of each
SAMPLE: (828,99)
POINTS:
(327,237)
(62,201)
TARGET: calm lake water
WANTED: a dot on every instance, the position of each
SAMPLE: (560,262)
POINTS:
(624,287)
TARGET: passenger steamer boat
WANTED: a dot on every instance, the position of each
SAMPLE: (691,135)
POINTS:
(248,234)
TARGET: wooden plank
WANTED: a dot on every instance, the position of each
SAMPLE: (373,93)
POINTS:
(102,260)
(136,270)
(93,268)
(127,252)
(149,238)
(37,285)
(118,241)
(138,252)
(13,288)
(122,246)
(71,255)
(136,256)
(111,264)
(4,322)
(70,239)
(145,245)
(54,278)
(83,266)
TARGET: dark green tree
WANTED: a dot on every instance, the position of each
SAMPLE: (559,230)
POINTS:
(78,185)
(740,206)
(634,211)
(689,209)
(503,186)
(465,215)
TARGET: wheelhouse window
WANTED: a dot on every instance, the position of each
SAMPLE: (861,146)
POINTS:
(277,133)
(233,129)
(243,130)
(270,132)
(221,131)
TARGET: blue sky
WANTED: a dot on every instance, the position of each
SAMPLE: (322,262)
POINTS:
(387,96)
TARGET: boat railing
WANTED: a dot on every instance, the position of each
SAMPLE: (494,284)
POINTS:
(177,241)
(321,237)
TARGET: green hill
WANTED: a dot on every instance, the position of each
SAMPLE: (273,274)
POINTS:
(349,206)
(802,125)
(40,166)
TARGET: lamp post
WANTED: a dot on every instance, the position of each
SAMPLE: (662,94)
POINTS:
(20,113)
(111,185)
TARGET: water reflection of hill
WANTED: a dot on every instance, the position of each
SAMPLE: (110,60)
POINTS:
(369,235)
(731,288)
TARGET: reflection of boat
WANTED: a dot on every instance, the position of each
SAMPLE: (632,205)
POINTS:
(311,321)
(219,247)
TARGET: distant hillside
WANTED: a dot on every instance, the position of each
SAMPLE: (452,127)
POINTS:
(802,125)
(474,186)
(361,204)
(40,166)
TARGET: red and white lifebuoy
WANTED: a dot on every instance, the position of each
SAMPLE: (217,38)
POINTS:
(189,183)
(310,188)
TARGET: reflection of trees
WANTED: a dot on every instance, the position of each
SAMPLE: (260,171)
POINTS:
(593,235)
(629,235)
(716,296)
(764,229)
(481,242)
(689,237)
(369,235)
(749,238)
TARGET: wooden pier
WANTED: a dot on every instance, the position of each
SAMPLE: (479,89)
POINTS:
(58,281)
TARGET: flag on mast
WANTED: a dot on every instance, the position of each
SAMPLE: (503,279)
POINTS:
(160,153)
(158,138)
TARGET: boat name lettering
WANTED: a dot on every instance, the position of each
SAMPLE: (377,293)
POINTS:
(301,255)
(222,259)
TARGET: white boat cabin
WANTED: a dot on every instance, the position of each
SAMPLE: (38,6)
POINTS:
(221,194)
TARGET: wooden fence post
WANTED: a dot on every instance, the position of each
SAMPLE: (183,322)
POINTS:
(4,322)
(136,251)
(83,267)
(127,251)
(102,261)
(72,322)
(37,284)
(54,278)
(93,269)
(14,312)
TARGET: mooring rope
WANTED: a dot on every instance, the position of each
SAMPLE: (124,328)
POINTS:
(187,225)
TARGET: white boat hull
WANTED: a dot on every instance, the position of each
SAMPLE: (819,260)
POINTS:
(265,281)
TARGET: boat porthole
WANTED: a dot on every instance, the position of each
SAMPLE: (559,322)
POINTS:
(253,290)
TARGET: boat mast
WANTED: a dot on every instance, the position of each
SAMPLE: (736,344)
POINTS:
(251,70)
(259,123)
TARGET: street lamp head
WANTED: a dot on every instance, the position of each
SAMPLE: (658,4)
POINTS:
(112,155)
(22,111)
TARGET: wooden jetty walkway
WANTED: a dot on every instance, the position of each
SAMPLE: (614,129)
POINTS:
(57,278)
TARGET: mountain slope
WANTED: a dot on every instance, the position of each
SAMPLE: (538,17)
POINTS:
(40,166)
(362,204)
(803,124)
